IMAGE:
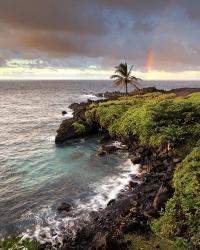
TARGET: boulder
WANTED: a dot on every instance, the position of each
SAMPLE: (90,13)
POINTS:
(106,149)
(64,207)
(67,130)
(145,169)
(136,159)
(99,241)
(64,112)
(109,149)
(132,184)
(100,151)
(111,202)
(164,193)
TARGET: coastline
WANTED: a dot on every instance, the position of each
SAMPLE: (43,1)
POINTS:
(139,204)
(140,200)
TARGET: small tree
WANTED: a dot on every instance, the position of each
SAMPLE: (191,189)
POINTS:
(123,77)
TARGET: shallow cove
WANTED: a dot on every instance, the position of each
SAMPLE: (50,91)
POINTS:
(73,174)
(35,176)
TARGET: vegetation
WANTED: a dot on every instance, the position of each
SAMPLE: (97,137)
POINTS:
(17,243)
(155,118)
(181,219)
(164,119)
(123,77)
(139,242)
(79,128)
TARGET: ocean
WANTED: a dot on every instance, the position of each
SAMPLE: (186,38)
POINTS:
(36,176)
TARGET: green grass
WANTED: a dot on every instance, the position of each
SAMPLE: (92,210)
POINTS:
(155,118)
(17,243)
(139,242)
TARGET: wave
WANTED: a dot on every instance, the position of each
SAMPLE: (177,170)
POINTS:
(52,227)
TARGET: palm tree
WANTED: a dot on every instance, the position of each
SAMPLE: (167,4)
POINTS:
(122,77)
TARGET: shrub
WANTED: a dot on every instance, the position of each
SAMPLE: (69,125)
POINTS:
(79,128)
(154,118)
(181,219)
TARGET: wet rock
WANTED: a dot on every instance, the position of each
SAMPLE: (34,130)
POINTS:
(111,202)
(64,112)
(136,159)
(100,151)
(176,160)
(164,193)
(64,207)
(43,235)
(104,138)
(106,149)
(67,130)
(132,184)
(99,241)
(145,168)
(140,150)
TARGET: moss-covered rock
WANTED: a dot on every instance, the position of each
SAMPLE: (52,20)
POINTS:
(72,128)
(79,128)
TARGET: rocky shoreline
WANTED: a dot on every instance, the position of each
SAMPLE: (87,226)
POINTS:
(134,209)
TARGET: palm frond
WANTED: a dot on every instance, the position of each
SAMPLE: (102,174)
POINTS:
(135,78)
(135,84)
(119,82)
(130,71)
(115,76)
(122,76)
(121,69)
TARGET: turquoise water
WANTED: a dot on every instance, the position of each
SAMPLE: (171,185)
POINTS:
(35,175)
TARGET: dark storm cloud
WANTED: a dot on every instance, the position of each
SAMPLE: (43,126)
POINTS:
(108,29)
(62,15)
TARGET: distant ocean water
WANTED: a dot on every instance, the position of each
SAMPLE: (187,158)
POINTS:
(35,175)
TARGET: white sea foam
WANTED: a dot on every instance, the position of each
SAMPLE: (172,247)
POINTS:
(118,144)
(91,97)
(69,114)
(51,227)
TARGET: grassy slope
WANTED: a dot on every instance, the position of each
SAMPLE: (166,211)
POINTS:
(164,119)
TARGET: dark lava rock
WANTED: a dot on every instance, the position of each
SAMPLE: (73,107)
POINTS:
(164,193)
(67,131)
(136,159)
(64,207)
(64,112)
(109,149)
(111,202)
(99,241)
(106,149)
(132,184)
(100,151)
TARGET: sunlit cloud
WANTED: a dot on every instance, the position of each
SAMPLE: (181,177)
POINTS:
(89,38)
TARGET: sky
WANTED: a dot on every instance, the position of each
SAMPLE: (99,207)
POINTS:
(86,39)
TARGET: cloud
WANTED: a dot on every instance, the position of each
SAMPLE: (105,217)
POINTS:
(62,15)
(105,31)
